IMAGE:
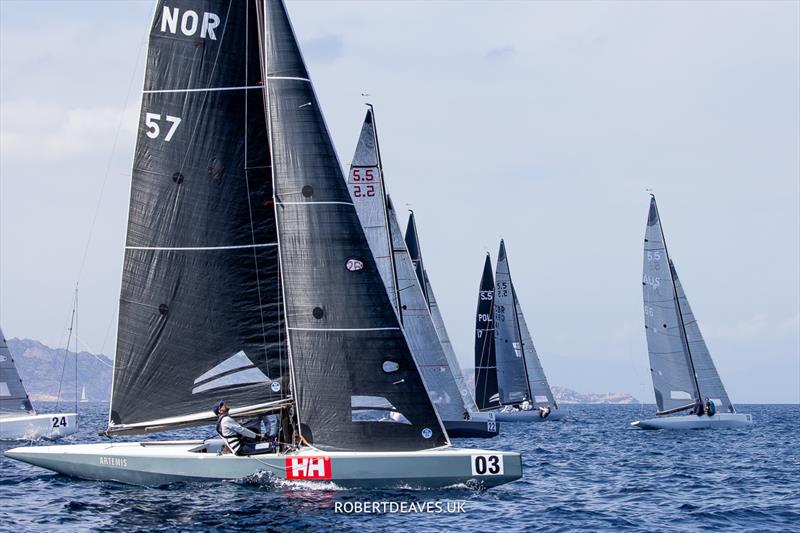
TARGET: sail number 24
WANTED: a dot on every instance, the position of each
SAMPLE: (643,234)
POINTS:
(487,465)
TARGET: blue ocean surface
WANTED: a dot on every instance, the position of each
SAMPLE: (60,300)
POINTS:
(590,472)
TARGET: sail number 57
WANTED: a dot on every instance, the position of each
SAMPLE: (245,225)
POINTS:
(151,120)
(487,465)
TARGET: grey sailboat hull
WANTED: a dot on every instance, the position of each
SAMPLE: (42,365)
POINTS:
(718,421)
(529,416)
(161,463)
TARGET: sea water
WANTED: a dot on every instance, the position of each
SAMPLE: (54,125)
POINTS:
(589,472)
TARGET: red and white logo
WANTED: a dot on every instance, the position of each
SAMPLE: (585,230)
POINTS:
(308,468)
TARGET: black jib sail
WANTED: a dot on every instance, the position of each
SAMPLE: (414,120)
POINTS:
(13,398)
(348,352)
(200,305)
(486,393)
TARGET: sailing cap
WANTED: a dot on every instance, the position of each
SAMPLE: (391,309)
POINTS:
(218,406)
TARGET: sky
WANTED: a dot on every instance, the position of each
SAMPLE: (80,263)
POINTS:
(544,123)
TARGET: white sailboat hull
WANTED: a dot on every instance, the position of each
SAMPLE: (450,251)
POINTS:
(160,463)
(42,426)
(718,421)
(529,416)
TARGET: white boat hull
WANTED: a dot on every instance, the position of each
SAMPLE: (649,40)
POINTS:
(160,463)
(529,416)
(718,421)
(42,426)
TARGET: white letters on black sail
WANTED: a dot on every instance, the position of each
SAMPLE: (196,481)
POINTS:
(348,351)
(486,392)
(200,305)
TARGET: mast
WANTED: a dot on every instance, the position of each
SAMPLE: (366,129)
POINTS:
(681,324)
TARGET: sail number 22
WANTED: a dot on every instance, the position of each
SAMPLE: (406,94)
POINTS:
(361,189)
(487,465)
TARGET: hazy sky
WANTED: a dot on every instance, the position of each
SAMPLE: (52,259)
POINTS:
(543,123)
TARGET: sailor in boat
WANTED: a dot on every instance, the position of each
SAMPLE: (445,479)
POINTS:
(526,406)
(711,409)
(238,439)
(697,408)
(544,411)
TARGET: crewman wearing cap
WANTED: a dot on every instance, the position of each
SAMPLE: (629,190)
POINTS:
(233,432)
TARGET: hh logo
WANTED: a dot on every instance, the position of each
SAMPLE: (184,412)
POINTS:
(308,468)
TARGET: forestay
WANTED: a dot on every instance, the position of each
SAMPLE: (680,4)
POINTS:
(512,375)
(13,398)
(200,304)
(670,362)
(347,347)
(486,393)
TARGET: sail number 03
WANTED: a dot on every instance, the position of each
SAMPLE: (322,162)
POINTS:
(154,130)
(487,465)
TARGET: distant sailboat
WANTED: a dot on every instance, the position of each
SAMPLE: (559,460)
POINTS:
(367,187)
(248,277)
(84,399)
(680,363)
(18,418)
(523,392)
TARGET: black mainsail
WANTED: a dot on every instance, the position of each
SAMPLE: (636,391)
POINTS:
(13,397)
(200,304)
(347,348)
(486,392)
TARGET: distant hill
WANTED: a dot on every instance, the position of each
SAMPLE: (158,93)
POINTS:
(566,396)
(41,369)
